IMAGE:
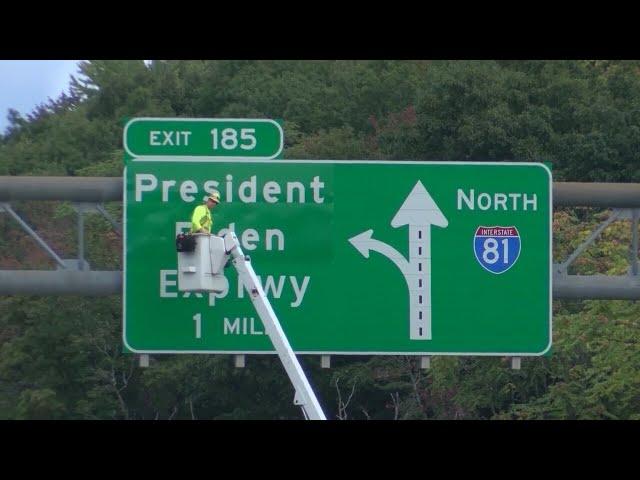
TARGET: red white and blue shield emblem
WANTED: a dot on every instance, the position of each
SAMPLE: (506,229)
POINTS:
(496,248)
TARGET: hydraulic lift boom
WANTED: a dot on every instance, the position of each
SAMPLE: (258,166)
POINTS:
(219,253)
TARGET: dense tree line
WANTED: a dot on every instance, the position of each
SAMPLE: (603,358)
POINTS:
(63,357)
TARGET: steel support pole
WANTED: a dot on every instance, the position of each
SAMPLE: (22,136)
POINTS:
(239,361)
(144,360)
(516,363)
(80,240)
(425,362)
(325,361)
(594,235)
(634,241)
(109,218)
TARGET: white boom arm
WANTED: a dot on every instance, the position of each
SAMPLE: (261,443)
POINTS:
(305,397)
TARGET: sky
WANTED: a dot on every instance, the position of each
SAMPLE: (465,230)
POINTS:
(26,83)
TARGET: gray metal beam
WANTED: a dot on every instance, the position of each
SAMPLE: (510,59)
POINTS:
(60,282)
(600,287)
(109,189)
(104,189)
(605,195)
(65,282)
(77,189)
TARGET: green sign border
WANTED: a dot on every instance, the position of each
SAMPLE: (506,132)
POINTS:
(198,158)
(393,162)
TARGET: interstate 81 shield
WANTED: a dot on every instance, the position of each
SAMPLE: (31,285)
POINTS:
(497,248)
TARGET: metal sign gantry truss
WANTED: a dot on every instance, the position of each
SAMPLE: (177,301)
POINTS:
(88,195)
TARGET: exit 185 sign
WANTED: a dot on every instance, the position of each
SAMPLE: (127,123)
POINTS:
(356,257)
(167,138)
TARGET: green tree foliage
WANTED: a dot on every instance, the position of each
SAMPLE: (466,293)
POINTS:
(581,116)
(63,357)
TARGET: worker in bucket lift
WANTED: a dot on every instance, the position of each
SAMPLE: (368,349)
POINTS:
(201,220)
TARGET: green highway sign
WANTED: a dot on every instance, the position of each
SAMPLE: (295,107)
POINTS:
(356,257)
(168,138)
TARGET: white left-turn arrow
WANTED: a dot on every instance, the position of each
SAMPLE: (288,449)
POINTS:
(363,243)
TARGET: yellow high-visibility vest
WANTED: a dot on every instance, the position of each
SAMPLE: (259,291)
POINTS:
(201,218)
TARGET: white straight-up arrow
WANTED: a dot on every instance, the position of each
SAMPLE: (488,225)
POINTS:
(419,211)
